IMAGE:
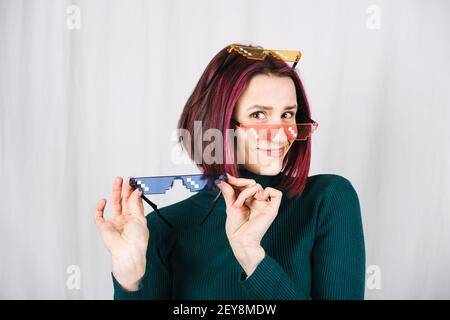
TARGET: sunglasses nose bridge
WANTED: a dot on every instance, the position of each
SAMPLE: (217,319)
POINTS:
(279,134)
(165,183)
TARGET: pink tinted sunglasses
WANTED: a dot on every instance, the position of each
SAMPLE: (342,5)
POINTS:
(293,131)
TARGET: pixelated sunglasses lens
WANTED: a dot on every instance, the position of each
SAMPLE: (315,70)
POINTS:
(251,53)
(159,185)
(269,132)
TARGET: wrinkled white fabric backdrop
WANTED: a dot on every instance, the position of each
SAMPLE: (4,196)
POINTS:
(81,106)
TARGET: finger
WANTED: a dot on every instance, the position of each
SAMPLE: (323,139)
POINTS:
(240,182)
(259,195)
(126,195)
(135,203)
(228,193)
(98,215)
(128,190)
(262,195)
(245,194)
(274,195)
(117,198)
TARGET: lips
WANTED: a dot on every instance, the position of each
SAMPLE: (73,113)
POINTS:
(274,152)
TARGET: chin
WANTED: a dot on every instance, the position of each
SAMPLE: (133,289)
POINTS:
(271,169)
(265,165)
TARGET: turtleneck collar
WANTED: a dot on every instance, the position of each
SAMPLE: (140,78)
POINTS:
(263,180)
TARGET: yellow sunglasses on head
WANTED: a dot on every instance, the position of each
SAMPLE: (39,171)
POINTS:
(256,53)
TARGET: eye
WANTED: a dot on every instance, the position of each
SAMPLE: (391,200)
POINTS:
(288,115)
(259,115)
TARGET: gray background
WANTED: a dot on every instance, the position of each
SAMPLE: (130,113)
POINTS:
(79,107)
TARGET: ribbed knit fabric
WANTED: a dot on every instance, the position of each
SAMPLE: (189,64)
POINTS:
(314,249)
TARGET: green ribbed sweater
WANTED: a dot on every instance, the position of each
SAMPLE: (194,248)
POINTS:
(314,249)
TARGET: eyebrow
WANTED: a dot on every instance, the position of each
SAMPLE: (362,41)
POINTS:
(270,108)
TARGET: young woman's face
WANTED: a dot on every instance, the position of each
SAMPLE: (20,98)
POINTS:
(267,100)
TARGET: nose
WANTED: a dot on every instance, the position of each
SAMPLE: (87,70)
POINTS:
(278,135)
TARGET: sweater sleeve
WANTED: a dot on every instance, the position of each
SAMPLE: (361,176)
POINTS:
(337,259)
(270,282)
(157,281)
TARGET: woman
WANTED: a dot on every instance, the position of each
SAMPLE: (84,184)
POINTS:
(273,232)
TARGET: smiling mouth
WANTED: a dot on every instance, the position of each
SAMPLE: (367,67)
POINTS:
(274,152)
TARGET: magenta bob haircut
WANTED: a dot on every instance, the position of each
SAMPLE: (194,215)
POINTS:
(213,103)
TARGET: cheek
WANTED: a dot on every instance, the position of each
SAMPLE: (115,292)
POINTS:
(240,146)
(242,140)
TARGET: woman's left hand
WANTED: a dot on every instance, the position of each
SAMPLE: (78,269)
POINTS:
(250,213)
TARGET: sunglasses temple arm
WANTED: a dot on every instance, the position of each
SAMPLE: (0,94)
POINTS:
(211,207)
(155,207)
(235,122)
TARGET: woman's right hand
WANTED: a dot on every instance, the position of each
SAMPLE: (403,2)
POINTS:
(125,235)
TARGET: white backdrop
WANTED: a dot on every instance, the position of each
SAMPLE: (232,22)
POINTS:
(79,106)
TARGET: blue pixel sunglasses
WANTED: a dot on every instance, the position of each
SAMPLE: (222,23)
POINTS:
(161,184)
